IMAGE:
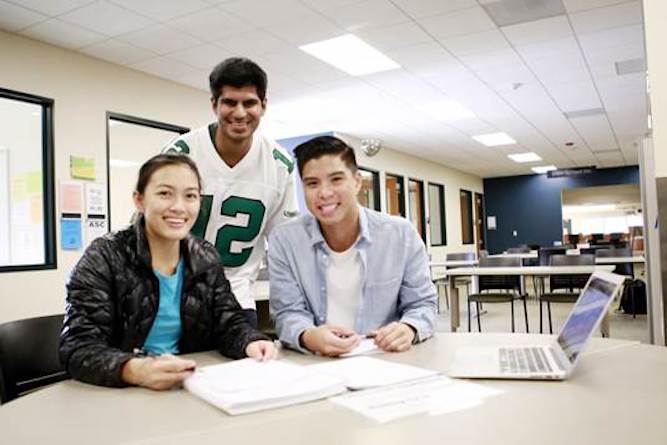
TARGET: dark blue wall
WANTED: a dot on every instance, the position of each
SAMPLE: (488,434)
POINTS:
(531,205)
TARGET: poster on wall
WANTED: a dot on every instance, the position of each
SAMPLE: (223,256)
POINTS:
(71,198)
(96,211)
(491,222)
(70,233)
(82,168)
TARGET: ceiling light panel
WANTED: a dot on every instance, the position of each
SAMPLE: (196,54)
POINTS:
(524,157)
(512,12)
(584,113)
(494,139)
(351,55)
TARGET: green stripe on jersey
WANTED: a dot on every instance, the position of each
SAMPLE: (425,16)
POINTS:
(282,158)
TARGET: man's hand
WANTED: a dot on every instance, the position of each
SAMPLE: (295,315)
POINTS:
(159,373)
(330,340)
(394,337)
(261,350)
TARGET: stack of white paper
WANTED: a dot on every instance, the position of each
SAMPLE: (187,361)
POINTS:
(247,385)
(368,372)
(433,395)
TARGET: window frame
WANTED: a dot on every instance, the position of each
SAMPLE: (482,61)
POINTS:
(401,200)
(128,119)
(469,221)
(443,216)
(376,186)
(423,206)
(48,181)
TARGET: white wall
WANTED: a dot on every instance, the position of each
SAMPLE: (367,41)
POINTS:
(655,22)
(84,89)
(396,162)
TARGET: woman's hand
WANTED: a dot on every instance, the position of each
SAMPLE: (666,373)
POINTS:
(261,350)
(158,373)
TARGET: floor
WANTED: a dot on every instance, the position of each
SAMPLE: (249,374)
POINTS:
(496,318)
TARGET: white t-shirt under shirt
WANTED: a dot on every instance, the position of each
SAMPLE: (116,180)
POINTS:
(343,287)
(240,204)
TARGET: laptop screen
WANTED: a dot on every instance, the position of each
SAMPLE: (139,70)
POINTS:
(584,316)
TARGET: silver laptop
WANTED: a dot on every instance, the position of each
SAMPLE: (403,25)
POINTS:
(555,361)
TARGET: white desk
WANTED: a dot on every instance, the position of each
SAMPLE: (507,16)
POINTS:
(523,271)
(616,396)
(524,256)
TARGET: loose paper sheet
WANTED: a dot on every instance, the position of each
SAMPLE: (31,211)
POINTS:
(432,395)
(367,372)
(365,347)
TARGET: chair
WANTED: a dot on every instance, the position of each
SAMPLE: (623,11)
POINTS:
(622,268)
(498,289)
(29,355)
(570,285)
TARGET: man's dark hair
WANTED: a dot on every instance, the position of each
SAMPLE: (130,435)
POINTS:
(324,145)
(237,72)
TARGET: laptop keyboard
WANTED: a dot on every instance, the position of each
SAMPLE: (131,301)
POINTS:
(523,360)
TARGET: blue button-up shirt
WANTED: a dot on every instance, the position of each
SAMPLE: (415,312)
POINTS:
(396,284)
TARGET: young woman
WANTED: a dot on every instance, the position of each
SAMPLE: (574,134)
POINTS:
(139,296)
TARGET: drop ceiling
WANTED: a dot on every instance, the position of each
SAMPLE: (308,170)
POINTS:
(546,72)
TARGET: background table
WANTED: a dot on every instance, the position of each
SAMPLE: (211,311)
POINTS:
(616,396)
(455,316)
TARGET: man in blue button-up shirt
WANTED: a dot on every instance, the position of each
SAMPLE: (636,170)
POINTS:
(346,271)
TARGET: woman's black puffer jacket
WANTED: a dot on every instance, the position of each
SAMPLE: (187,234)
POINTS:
(113,297)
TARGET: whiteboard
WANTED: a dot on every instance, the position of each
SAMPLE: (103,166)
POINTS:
(5,245)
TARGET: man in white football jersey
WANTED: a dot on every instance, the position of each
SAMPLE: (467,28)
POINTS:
(248,186)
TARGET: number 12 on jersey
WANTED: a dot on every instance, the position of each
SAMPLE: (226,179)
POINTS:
(228,233)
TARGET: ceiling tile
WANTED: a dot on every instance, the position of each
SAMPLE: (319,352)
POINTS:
(210,24)
(625,14)
(584,5)
(163,66)
(117,52)
(387,38)
(301,31)
(204,56)
(14,18)
(483,42)
(106,18)
(611,38)
(367,14)
(253,43)
(328,6)
(162,10)
(512,12)
(53,7)
(572,96)
(160,39)
(467,21)
(425,8)
(196,79)
(261,13)
(62,34)
(424,59)
(554,28)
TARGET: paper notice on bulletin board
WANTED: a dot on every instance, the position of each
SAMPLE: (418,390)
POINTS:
(96,202)
(71,197)
(70,233)
(95,227)
(82,168)
(491,222)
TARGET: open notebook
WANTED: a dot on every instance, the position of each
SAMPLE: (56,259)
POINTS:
(247,385)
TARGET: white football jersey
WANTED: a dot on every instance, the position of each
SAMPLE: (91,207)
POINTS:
(241,204)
